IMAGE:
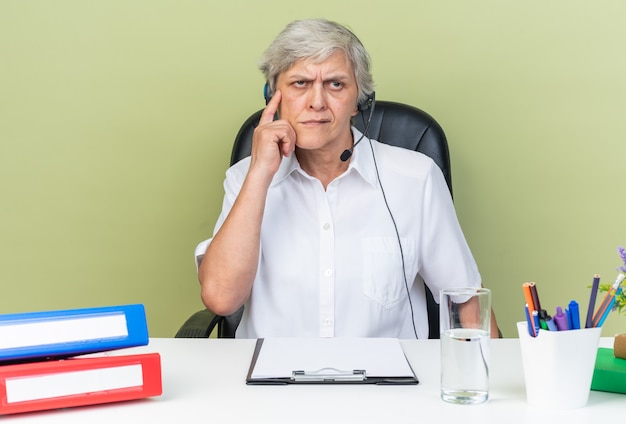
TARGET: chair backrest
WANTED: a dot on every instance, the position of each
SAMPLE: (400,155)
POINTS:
(391,123)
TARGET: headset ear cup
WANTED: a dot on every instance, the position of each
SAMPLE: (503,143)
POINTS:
(366,103)
(267,92)
(362,105)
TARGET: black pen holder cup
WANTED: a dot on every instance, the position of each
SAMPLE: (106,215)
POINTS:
(558,366)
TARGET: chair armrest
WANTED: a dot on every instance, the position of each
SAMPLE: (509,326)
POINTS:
(199,325)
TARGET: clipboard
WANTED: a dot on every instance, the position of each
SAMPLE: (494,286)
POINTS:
(329,361)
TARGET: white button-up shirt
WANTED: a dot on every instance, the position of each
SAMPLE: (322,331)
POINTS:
(330,261)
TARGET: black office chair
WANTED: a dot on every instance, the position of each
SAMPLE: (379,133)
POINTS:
(392,123)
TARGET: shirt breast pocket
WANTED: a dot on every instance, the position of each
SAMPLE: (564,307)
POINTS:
(383,281)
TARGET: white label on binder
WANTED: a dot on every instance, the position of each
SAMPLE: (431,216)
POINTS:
(22,389)
(63,330)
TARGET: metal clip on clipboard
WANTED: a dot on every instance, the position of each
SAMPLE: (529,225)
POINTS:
(328,374)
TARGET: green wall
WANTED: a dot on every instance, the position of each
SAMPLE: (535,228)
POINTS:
(117,117)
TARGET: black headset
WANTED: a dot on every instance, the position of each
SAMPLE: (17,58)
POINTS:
(368,103)
(362,106)
(267,93)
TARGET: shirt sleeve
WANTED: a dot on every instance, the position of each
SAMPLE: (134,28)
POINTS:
(446,259)
(235,176)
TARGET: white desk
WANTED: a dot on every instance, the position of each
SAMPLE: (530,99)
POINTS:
(204,382)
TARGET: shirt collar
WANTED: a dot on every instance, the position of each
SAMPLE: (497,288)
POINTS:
(361,162)
(362,159)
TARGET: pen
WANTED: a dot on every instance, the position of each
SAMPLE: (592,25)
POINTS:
(592,300)
(551,324)
(529,322)
(560,319)
(574,315)
(543,319)
(536,322)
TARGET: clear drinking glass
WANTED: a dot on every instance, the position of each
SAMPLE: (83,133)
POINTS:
(465,317)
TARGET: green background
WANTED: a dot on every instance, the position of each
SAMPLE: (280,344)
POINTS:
(117,120)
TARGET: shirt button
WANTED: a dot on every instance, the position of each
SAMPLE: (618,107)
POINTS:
(328,272)
(326,226)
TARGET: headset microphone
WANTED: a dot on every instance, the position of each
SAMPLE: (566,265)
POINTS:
(348,152)
(346,155)
(371,103)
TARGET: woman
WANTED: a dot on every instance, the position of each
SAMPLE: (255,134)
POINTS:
(315,245)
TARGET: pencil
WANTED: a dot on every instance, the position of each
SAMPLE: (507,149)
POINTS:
(592,300)
(603,307)
(529,298)
(610,295)
(535,296)
(608,309)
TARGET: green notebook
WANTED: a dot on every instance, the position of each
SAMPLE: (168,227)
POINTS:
(609,374)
